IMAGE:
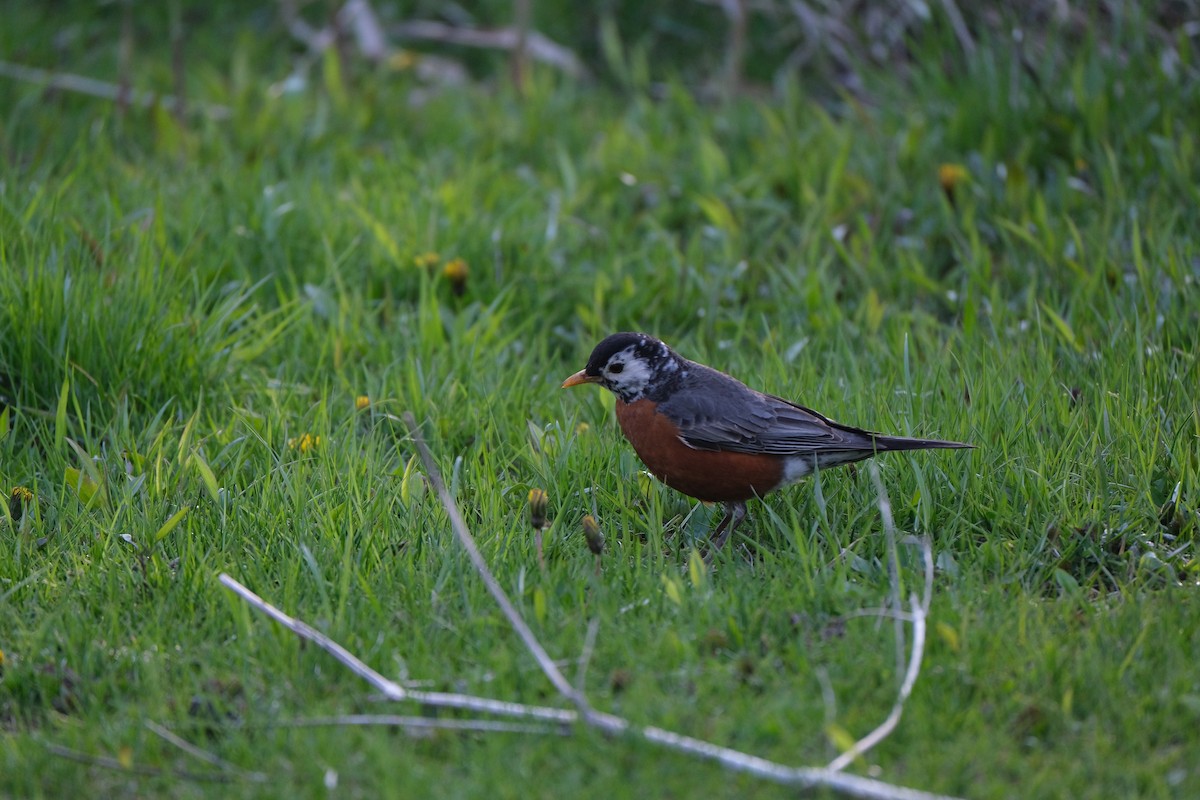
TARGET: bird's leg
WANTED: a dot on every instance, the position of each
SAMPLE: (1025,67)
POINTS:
(735,512)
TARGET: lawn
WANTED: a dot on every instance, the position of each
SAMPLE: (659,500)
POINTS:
(210,329)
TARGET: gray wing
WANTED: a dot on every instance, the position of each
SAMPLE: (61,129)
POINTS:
(716,412)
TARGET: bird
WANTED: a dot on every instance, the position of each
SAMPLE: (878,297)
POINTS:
(711,437)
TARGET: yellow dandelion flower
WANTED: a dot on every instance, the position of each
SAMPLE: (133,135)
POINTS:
(950,176)
(362,402)
(304,443)
(17,500)
(582,428)
(428,259)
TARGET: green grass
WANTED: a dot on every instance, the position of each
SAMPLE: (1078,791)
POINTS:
(178,303)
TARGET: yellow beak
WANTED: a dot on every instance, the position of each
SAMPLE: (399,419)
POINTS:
(580,377)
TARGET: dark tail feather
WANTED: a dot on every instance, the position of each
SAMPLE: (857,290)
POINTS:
(887,443)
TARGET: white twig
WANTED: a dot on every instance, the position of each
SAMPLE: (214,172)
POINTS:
(390,689)
(927,558)
(203,755)
(893,560)
(486,705)
(134,769)
(422,723)
(606,722)
(910,678)
(316,40)
(539,47)
(589,645)
(920,610)
(960,28)
(849,785)
(886,613)
(828,695)
(108,91)
(520,50)
(360,17)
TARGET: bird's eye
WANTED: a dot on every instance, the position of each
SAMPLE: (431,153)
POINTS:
(616,368)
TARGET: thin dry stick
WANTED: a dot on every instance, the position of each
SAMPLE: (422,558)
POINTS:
(920,609)
(422,724)
(828,695)
(391,689)
(539,47)
(886,613)
(605,722)
(202,755)
(893,561)
(910,678)
(849,785)
(927,553)
(523,14)
(361,18)
(736,12)
(185,745)
(134,769)
(178,66)
(960,28)
(125,57)
(487,705)
(317,41)
(589,645)
(107,91)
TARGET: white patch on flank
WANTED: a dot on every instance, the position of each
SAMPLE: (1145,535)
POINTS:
(795,468)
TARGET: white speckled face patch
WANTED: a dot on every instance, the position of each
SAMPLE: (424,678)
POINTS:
(666,363)
(627,374)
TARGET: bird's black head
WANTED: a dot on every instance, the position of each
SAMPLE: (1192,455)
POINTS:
(631,365)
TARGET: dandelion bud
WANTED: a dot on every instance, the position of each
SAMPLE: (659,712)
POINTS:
(456,272)
(537,508)
(593,534)
(950,176)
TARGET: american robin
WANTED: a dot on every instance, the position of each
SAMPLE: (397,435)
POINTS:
(710,436)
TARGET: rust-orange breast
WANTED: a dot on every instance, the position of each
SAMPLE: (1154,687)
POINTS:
(711,475)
